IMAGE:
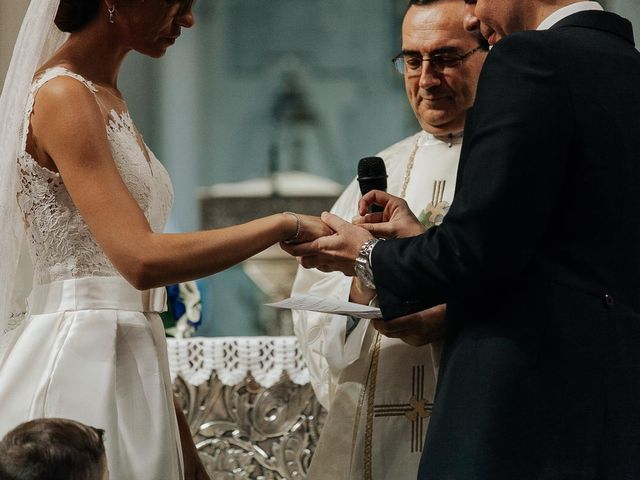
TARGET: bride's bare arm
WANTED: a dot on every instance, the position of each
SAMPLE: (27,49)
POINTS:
(68,130)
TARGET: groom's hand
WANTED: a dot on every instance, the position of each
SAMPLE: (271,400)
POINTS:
(396,221)
(332,253)
(417,329)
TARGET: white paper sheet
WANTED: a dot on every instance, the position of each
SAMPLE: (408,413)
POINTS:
(327,305)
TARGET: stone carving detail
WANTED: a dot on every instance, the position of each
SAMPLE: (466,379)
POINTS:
(247,431)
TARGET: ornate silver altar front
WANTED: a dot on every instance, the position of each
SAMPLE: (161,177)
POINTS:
(252,411)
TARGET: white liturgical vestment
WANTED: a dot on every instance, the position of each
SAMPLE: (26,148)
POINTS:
(378,390)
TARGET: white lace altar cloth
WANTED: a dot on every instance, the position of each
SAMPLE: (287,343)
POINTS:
(233,359)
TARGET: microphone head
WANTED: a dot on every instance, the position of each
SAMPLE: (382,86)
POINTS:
(371,167)
(372,174)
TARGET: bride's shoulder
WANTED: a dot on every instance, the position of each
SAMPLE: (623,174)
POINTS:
(59,85)
(63,99)
(60,75)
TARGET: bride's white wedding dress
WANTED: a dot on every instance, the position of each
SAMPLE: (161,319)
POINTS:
(92,347)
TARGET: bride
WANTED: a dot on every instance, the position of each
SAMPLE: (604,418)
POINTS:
(92,200)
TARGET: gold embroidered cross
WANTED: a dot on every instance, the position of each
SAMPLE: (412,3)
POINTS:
(416,410)
(419,409)
(435,211)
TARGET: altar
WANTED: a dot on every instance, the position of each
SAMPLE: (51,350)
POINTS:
(252,411)
(249,403)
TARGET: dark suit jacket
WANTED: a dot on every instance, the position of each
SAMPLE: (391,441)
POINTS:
(539,261)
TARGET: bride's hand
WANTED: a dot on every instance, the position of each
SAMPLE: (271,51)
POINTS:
(305,228)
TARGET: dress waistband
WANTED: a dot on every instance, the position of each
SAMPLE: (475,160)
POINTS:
(94,293)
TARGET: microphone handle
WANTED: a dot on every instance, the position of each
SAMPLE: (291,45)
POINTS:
(375,209)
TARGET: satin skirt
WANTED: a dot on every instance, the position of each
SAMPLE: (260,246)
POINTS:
(93,350)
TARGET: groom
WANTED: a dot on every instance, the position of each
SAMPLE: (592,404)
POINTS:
(538,258)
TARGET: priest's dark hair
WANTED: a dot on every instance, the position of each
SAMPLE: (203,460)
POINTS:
(52,448)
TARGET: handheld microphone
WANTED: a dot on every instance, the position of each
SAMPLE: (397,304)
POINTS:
(372,175)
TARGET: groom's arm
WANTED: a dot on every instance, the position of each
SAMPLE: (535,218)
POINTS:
(515,160)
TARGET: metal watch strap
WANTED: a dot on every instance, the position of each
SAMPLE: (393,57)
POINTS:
(363,263)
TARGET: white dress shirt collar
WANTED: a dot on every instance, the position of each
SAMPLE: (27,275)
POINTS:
(564,12)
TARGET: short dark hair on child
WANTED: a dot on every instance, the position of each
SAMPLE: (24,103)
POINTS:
(52,449)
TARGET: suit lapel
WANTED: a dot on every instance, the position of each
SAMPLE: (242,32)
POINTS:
(605,21)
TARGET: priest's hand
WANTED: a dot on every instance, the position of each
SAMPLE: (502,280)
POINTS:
(360,293)
(334,253)
(396,221)
(416,329)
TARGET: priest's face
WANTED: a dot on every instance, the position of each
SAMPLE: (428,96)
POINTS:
(440,91)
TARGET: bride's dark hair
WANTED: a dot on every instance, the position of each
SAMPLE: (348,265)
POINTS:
(73,15)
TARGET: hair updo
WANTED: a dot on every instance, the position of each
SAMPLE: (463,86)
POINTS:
(73,15)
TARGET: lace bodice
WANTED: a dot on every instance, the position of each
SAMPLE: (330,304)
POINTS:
(60,243)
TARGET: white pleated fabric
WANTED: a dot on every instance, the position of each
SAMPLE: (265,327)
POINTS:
(93,349)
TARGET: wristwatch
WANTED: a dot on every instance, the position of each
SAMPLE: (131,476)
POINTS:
(363,263)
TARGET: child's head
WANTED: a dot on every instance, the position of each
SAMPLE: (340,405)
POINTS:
(53,449)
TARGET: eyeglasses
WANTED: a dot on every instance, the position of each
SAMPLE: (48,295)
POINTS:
(411,64)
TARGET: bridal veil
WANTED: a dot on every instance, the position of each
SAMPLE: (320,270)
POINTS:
(38,39)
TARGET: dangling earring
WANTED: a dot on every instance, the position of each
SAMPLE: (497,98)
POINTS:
(112,10)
